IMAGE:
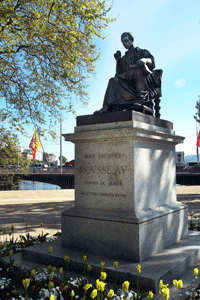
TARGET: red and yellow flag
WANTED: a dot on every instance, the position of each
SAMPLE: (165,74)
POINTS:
(198,140)
(35,143)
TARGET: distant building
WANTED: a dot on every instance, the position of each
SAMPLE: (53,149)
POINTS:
(28,153)
(52,157)
(49,157)
(39,155)
(180,159)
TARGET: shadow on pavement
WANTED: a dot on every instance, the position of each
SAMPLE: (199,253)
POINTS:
(48,213)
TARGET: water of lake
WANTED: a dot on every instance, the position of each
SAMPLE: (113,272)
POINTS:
(36,185)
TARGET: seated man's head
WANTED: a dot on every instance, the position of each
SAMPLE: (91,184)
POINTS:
(127,39)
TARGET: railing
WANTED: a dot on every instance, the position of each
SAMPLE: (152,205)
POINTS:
(51,171)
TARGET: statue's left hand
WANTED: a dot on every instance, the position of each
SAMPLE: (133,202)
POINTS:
(141,62)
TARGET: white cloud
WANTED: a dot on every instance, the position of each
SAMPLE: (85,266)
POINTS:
(180,83)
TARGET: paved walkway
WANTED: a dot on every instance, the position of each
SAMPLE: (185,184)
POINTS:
(189,195)
(35,207)
(45,206)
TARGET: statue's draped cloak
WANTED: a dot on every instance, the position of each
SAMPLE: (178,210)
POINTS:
(132,82)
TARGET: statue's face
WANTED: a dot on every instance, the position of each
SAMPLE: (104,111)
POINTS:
(127,41)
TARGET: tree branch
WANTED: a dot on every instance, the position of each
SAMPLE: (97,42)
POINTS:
(50,10)
(15,51)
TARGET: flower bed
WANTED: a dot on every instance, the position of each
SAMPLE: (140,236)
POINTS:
(17,283)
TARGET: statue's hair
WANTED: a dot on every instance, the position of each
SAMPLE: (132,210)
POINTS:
(130,35)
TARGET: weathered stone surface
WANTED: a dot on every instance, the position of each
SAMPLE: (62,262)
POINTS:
(125,194)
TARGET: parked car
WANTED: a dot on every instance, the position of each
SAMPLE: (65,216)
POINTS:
(40,166)
(192,164)
(71,163)
(67,166)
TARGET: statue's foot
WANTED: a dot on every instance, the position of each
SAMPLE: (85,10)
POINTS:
(103,110)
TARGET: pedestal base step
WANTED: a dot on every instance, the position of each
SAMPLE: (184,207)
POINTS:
(166,265)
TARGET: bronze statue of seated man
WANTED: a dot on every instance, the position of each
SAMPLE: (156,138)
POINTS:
(136,82)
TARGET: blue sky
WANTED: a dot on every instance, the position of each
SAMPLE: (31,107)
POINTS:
(170,30)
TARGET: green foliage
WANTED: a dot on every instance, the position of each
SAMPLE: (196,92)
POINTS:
(64,159)
(34,161)
(47,51)
(11,159)
(197,117)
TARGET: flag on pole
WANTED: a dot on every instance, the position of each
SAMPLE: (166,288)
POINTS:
(35,143)
(198,140)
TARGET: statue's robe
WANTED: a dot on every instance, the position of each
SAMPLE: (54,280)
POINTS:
(132,82)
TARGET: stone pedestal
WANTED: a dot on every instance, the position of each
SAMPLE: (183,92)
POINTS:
(125,187)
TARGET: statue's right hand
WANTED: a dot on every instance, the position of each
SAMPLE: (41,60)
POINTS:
(117,55)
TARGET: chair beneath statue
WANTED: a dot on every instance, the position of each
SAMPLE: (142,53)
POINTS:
(150,106)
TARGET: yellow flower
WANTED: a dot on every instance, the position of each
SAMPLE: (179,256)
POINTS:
(87,286)
(51,285)
(192,213)
(188,214)
(162,286)
(125,286)
(110,294)
(103,276)
(49,269)
(33,272)
(50,249)
(11,252)
(175,282)
(66,258)
(116,264)
(26,224)
(178,284)
(102,286)
(72,293)
(196,271)
(41,224)
(150,295)
(93,294)
(51,276)
(26,282)
(53,269)
(138,269)
(165,293)
(102,265)
(89,268)
(98,285)
(52,297)
(84,258)
(61,270)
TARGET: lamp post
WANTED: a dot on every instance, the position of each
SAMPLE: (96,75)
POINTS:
(197,126)
(61,145)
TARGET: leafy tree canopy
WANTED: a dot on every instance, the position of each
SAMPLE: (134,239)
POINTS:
(11,159)
(47,51)
(64,159)
(197,117)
